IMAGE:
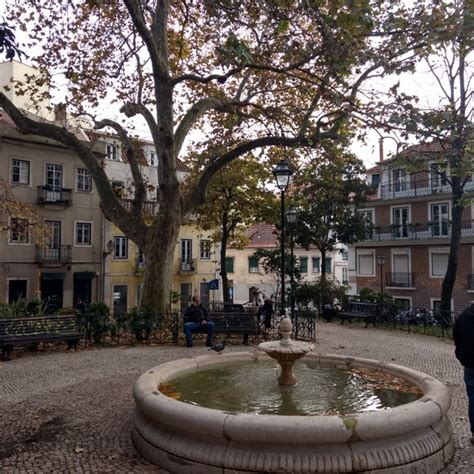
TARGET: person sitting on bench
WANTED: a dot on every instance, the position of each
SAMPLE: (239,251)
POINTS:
(196,316)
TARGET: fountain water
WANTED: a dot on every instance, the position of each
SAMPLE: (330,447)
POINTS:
(185,438)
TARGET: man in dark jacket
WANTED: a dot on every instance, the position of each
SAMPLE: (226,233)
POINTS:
(463,334)
(196,320)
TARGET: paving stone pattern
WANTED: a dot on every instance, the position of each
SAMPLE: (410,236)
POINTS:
(66,412)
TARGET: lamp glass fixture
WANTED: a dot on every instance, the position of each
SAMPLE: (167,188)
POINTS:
(381,259)
(282,173)
(291,215)
(110,246)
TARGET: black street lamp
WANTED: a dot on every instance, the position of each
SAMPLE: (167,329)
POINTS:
(291,219)
(282,173)
(381,263)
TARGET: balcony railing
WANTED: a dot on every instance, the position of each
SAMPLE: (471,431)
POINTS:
(470,281)
(416,186)
(52,195)
(149,207)
(400,280)
(418,231)
(61,254)
(187,265)
(139,266)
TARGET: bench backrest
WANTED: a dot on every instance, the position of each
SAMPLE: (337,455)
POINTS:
(38,325)
(361,307)
(232,320)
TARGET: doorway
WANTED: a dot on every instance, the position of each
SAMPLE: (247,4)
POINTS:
(52,290)
(120,298)
(186,293)
(83,287)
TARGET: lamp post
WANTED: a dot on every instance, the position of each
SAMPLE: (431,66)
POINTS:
(291,219)
(381,263)
(282,173)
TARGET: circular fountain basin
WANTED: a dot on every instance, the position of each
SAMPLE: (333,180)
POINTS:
(184,438)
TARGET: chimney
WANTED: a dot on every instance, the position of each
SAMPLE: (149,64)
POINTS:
(381,150)
(60,114)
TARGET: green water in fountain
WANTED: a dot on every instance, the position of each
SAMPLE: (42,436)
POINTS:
(321,390)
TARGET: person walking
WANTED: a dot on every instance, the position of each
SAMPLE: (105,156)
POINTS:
(463,335)
(196,316)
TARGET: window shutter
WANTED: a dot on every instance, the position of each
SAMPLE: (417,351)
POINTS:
(253,265)
(366,264)
(327,264)
(304,264)
(229,265)
(439,264)
(316,264)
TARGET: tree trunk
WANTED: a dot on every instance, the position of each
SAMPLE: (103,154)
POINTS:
(160,250)
(322,283)
(454,249)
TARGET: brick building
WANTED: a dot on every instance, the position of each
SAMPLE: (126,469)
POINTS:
(407,246)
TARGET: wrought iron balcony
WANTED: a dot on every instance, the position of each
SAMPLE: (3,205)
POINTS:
(46,254)
(418,231)
(400,280)
(187,265)
(52,195)
(414,186)
(149,207)
(470,281)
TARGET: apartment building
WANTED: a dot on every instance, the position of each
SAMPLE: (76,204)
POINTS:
(245,272)
(406,249)
(49,177)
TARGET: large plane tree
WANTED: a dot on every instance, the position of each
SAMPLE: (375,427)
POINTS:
(253,75)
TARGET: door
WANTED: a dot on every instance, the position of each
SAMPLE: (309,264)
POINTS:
(120,299)
(16,290)
(440,219)
(186,293)
(438,177)
(52,293)
(400,222)
(54,182)
(204,293)
(401,271)
(186,254)
(82,289)
(53,250)
(399,180)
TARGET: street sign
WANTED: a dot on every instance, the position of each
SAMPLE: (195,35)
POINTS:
(214,284)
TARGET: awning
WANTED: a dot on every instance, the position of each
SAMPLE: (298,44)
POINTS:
(84,275)
(53,276)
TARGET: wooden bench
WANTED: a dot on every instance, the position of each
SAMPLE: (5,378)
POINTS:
(359,310)
(35,329)
(228,323)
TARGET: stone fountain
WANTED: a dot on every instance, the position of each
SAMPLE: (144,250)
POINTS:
(186,438)
(286,352)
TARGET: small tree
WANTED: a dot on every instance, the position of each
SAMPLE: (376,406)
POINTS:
(330,190)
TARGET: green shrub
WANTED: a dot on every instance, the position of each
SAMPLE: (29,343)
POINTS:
(327,291)
(95,322)
(143,323)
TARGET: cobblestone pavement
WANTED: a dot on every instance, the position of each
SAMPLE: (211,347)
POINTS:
(65,412)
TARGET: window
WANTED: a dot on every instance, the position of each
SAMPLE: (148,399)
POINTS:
(368,214)
(112,152)
(54,176)
(365,264)
(328,264)
(229,264)
(402,303)
(375,179)
(253,265)
(439,264)
(152,159)
(304,264)
(345,255)
(83,180)
(400,180)
(19,231)
(83,233)
(438,176)
(20,172)
(400,222)
(316,264)
(205,249)
(345,279)
(121,247)
(440,219)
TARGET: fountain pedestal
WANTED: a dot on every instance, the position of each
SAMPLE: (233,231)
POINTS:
(286,352)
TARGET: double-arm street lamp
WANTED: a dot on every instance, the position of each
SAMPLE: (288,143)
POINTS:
(282,173)
(291,219)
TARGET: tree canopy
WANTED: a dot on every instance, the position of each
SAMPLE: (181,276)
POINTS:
(252,75)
